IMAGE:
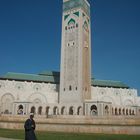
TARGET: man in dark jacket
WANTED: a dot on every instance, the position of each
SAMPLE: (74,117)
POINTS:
(29,128)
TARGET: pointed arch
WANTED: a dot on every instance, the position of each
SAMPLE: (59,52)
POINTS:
(40,110)
(120,112)
(71,16)
(106,110)
(20,109)
(55,110)
(116,111)
(63,110)
(108,99)
(71,21)
(123,111)
(38,98)
(126,111)
(7,101)
(33,110)
(79,110)
(71,110)
(94,110)
(47,111)
(128,102)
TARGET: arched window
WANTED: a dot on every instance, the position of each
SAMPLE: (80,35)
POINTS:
(7,103)
(119,111)
(20,107)
(126,111)
(106,110)
(123,111)
(33,109)
(116,112)
(70,88)
(71,110)
(47,110)
(63,111)
(94,110)
(40,110)
(55,110)
(20,110)
(112,111)
(133,112)
(79,110)
(130,112)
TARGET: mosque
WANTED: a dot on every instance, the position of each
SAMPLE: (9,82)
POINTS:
(72,91)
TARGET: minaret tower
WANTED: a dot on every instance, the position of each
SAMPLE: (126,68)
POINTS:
(75,74)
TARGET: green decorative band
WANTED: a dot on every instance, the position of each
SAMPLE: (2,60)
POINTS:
(66,16)
(71,21)
(68,5)
(76,13)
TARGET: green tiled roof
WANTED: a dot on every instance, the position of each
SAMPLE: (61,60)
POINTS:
(108,83)
(54,77)
(50,73)
(32,77)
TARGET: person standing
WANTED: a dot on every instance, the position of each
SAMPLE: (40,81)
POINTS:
(29,127)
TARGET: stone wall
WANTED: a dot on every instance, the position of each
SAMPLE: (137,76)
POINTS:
(117,96)
(76,124)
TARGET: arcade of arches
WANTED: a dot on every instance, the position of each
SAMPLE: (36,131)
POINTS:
(8,106)
(55,110)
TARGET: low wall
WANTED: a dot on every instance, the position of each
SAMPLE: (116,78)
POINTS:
(75,124)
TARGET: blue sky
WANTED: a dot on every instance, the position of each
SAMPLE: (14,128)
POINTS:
(30,38)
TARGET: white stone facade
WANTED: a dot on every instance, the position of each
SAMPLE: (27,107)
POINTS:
(123,101)
(21,97)
(27,94)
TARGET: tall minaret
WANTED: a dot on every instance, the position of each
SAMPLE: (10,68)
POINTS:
(75,77)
